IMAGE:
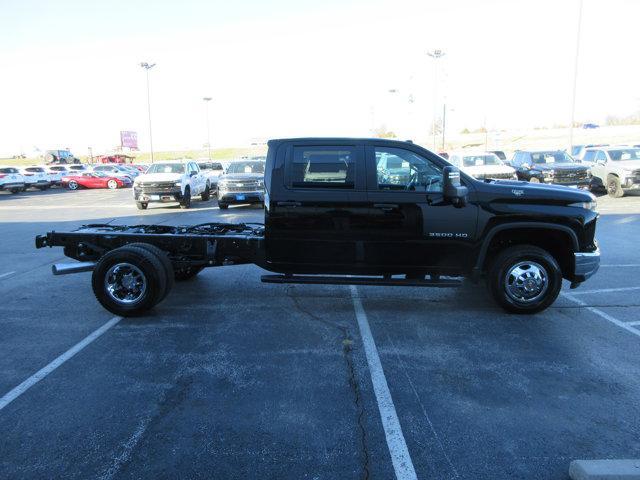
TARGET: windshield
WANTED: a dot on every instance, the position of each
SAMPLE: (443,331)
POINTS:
(480,160)
(166,168)
(551,157)
(625,154)
(246,167)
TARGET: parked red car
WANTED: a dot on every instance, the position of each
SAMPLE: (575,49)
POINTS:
(94,180)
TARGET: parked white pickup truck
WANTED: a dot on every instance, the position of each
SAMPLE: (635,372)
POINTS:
(171,181)
(482,165)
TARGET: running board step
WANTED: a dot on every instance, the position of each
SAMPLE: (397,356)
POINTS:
(341,280)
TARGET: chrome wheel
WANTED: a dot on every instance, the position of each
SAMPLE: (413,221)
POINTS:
(526,282)
(112,184)
(73,185)
(125,283)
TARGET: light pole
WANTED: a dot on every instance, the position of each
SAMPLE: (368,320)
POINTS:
(575,77)
(148,67)
(435,54)
(207,100)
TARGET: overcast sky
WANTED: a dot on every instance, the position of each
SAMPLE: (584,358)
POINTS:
(71,75)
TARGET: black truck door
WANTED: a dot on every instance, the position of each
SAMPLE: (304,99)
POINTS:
(315,222)
(412,227)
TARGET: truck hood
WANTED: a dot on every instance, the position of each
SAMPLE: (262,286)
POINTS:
(241,176)
(568,166)
(514,191)
(626,164)
(159,177)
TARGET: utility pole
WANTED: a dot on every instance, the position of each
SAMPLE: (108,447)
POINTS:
(435,54)
(444,122)
(206,101)
(148,67)
(575,76)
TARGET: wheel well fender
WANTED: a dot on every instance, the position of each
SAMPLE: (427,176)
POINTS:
(556,239)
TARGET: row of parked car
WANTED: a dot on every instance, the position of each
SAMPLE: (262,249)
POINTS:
(615,169)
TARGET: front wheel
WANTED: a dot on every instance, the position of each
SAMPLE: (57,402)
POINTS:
(186,199)
(206,195)
(524,279)
(112,184)
(223,206)
(614,187)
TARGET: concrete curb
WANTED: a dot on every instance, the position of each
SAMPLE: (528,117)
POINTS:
(605,469)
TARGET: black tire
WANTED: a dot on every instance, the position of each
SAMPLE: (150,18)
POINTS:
(15,190)
(164,260)
(206,195)
(187,273)
(186,199)
(534,263)
(142,205)
(146,266)
(42,189)
(223,206)
(614,187)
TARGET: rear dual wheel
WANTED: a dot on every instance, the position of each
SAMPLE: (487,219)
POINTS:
(130,280)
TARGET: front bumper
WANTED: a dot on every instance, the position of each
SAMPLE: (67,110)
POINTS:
(585,264)
(161,195)
(11,186)
(240,197)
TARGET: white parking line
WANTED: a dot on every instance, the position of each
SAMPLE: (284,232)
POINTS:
(604,290)
(6,274)
(402,464)
(634,323)
(43,372)
(602,314)
(622,265)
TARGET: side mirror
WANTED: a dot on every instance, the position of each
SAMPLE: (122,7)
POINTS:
(452,189)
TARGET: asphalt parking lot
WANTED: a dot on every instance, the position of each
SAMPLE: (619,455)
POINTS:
(232,378)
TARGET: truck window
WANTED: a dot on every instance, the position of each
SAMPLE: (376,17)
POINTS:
(589,156)
(323,167)
(413,172)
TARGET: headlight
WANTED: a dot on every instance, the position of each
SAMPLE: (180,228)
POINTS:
(549,173)
(592,205)
(588,172)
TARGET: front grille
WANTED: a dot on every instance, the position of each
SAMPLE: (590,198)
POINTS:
(241,187)
(499,176)
(157,187)
(570,176)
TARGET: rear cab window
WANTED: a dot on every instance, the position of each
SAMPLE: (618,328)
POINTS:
(322,167)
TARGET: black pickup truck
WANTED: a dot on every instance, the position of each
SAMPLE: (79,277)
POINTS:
(334,216)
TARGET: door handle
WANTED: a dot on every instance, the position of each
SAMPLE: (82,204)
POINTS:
(387,207)
(288,204)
